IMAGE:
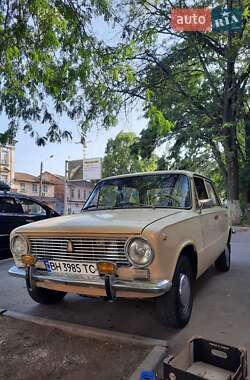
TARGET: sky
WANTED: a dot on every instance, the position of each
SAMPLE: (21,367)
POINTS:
(28,155)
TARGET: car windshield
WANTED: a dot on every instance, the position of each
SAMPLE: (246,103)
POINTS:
(155,190)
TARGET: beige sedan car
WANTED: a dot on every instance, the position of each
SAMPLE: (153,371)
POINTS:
(146,235)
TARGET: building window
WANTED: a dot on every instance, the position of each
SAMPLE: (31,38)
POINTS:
(5,157)
(34,187)
(45,188)
(72,193)
(4,178)
(85,194)
(79,194)
(22,187)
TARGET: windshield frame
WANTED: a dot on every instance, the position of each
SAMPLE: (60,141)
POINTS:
(85,206)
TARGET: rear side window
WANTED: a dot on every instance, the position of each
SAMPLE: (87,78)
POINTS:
(8,205)
(31,208)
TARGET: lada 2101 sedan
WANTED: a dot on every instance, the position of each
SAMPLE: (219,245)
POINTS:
(146,235)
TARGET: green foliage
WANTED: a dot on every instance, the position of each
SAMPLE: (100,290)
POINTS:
(119,160)
(49,55)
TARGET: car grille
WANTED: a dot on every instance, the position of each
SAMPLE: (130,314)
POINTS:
(84,249)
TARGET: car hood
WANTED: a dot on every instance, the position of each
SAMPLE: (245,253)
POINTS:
(125,221)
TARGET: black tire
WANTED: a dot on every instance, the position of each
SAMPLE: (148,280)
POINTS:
(45,296)
(223,262)
(172,308)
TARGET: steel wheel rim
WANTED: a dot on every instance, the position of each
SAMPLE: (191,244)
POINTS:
(184,291)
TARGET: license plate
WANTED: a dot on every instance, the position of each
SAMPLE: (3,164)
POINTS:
(89,269)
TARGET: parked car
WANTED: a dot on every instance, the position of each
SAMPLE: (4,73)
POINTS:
(16,210)
(146,235)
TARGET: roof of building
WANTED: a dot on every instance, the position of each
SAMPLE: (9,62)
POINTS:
(54,178)
(25,177)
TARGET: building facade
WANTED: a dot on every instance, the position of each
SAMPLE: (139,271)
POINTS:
(28,184)
(76,194)
(7,153)
(59,183)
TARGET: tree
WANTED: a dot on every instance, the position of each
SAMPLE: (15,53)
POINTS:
(220,61)
(119,160)
(48,51)
(48,55)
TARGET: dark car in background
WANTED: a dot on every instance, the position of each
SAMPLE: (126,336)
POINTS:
(16,210)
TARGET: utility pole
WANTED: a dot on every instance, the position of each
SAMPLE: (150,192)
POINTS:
(66,188)
(41,180)
(41,176)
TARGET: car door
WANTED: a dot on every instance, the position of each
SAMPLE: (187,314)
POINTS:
(10,218)
(220,218)
(210,219)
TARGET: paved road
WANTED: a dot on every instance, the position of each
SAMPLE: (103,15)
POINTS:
(221,308)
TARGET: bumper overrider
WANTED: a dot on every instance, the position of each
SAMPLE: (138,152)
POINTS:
(110,284)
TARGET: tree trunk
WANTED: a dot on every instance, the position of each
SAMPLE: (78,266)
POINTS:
(247,163)
(229,130)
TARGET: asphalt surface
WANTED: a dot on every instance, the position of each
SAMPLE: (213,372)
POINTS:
(221,306)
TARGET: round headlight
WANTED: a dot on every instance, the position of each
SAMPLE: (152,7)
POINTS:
(19,247)
(139,252)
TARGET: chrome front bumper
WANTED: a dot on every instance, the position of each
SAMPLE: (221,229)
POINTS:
(153,288)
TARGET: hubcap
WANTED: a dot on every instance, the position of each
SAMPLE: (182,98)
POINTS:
(184,291)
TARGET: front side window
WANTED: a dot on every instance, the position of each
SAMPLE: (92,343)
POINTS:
(158,190)
(32,208)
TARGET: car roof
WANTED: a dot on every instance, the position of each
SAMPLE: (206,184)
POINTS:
(184,172)
(18,195)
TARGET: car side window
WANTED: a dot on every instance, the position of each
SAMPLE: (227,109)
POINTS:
(8,206)
(211,193)
(31,208)
(200,188)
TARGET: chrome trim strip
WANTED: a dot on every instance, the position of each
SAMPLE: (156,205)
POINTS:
(4,235)
(159,288)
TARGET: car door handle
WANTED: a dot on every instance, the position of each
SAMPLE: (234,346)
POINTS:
(216,217)
(28,220)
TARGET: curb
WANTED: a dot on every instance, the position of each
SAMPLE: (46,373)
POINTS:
(85,331)
(240,229)
(151,362)
(6,260)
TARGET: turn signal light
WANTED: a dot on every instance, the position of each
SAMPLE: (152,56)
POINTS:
(106,268)
(28,259)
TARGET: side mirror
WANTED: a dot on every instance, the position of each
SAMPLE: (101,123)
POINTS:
(206,203)
(53,213)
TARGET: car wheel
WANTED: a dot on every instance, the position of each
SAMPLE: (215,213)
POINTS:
(175,307)
(223,262)
(45,296)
